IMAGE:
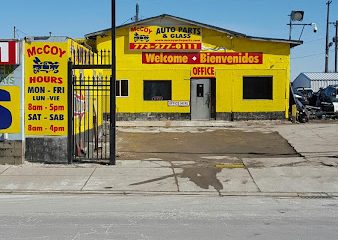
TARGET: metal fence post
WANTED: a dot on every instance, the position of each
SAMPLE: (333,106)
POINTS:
(70,113)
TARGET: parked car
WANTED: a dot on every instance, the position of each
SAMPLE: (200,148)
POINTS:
(327,99)
(304,95)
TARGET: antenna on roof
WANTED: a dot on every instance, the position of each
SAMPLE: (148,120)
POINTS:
(137,18)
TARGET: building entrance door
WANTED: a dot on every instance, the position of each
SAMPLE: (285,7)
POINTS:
(200,97)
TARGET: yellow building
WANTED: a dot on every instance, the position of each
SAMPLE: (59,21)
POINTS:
(173,68)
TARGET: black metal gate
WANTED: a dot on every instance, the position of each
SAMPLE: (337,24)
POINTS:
(89,110)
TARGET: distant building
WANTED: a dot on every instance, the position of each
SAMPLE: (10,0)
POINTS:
(315,80)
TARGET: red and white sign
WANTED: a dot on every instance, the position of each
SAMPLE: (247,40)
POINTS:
(9,53)
(227,58)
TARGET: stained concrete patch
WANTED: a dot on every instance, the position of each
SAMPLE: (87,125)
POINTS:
(45,171)
(229,158)
(153,159)
(296,179)
(135,179)
(142,163)
(42,183)
(209,162)
(3,168)
(325,161)
(273,162)
(199,179)
(179,164)
(214,179)
(236,180)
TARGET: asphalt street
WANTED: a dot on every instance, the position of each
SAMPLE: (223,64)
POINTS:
(166,217)
(281,183)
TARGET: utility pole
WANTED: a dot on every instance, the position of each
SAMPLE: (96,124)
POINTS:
(112,146)
(290,29)
(137,16)
(14,32)
(336,48)
(327,36)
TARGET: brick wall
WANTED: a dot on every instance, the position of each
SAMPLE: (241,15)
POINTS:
(11,152)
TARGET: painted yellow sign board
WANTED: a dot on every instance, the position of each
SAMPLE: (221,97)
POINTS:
(169,38)
(46,89)
(9,109)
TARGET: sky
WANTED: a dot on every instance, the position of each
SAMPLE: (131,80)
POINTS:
(261,18)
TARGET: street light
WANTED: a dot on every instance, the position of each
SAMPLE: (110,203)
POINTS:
(298,16)
(295,16)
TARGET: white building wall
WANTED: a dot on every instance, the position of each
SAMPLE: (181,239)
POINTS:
(301,81)
(317,84)
(315,81)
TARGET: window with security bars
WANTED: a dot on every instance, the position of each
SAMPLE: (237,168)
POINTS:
(158,90)
(122,88)
(258,87)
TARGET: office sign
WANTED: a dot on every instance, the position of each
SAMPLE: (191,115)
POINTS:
(203,72)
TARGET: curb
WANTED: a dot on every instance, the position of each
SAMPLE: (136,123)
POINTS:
(304,195)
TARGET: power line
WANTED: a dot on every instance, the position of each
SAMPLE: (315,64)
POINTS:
(313,40)
(129,19)
(311,55)
(17,31)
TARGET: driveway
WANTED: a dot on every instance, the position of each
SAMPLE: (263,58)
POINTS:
(200,144)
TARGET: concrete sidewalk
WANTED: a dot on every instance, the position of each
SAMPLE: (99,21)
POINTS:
(315,173)
(151,177)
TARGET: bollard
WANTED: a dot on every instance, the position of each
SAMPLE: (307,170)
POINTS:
(294,113)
